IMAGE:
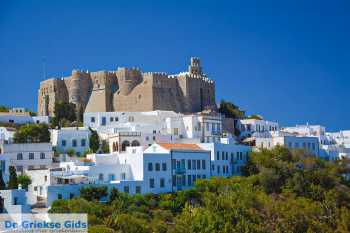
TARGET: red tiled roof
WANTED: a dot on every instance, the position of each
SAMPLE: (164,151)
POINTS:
(180,146)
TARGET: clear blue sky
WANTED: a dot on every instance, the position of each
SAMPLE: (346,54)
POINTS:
(286,61)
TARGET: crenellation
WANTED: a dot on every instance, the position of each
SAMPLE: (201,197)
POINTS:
(128,89)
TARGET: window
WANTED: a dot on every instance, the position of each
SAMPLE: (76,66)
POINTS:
(184,180)
(164,166)
(241,155)
(218,155)
(313,146)
(138,189)
(204,176)
(223,155)
(111,119)
(63,142)
(189,180)
(92,119)
(116,119)
(189,164)
(157,166)
(74,143)
(207,126)
(212,167)
(103,121)
(31,155)
(100,177)
(151,183)
(150,167)
(111,177)
(198,164)
(71,196)
(83,142)
(226,155)
(173,180)
(237,156)
(203,164)
(194,178)
(131,119)
(126,189)
(19,156)
(194,164)
(42,155)
(59,196)
(45,178)
(176,131)
(162,182)
(19,168)
(173,164)
(218,169)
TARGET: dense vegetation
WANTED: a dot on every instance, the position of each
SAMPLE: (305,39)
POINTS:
(282,191)
(66,114)
(230,110)
(32,133)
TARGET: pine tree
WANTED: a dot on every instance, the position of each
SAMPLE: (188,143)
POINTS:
(13,182)
(2,182)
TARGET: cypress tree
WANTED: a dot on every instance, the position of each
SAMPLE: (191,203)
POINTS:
(13,182)
(2,182)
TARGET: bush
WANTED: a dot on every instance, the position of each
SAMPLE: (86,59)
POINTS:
(32,133)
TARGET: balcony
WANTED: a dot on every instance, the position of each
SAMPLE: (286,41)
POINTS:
(180,170)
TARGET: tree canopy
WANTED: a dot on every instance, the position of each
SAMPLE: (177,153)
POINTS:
(13,182)
(281,191)
(32,133)
(24,180)
(94,140)
(230,110)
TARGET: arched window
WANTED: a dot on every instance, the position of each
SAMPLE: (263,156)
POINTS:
(115,146)
(125,144)
(135,143)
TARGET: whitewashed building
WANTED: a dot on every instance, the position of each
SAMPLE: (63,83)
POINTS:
(70,138)
(16,117)
(15,201)
(255,127)
(227,157)
(7,134)
(28,156)
(310,144)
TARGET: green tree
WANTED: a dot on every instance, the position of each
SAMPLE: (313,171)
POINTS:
(24,180)
(230,110)
(71,152)
(2,182)
(13,182)
(94,140)
(32,133)
(255,116)
(105,147)
(92,193)
(3,108)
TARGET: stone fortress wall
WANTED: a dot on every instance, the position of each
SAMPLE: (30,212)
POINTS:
(128,90)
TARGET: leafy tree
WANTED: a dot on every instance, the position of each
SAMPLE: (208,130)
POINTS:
(105,147)
(94,140)
(65,113)
(2,182)
(92,193)
(24,180)
(255,116)
(32,133)
(100,229)
(71,152)
(13,182)
(3,108)
(230,110)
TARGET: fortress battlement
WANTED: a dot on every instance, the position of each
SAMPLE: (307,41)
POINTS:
(128,89)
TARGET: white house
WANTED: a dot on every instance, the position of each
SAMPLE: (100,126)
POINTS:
(7,134)
(16,117)
(15,201)
(310,144)
(28,156)
(255,127)
(309,131)
(70,138)
(227,157)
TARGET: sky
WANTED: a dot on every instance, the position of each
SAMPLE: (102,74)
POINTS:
(285,60)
